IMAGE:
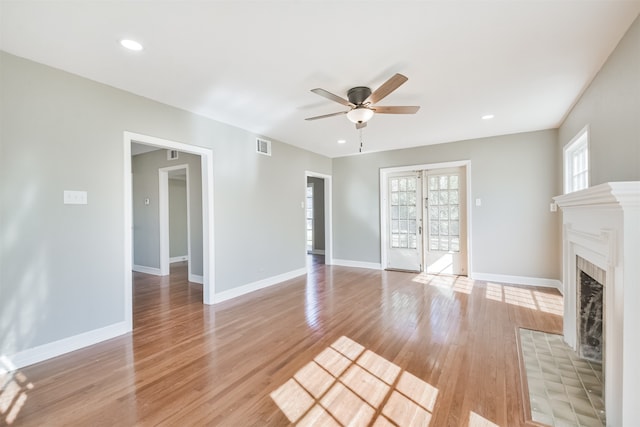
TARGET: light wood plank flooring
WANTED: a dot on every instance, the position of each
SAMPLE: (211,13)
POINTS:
(448,342)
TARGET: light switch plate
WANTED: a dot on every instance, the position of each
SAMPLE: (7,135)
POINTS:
(72,197)
(478,202)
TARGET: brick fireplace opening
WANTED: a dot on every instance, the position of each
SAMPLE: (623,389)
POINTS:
(590,310)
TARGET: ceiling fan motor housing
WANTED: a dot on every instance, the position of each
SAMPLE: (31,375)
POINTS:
(358,95)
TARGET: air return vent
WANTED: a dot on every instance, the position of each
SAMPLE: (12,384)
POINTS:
(172,154)
(263,146)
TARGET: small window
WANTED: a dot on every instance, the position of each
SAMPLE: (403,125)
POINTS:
(576,162)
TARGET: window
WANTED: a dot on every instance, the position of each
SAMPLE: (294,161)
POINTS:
(444,213)
(576,162)
(404,205)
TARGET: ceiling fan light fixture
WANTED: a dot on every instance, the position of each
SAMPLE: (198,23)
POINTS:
(360,114)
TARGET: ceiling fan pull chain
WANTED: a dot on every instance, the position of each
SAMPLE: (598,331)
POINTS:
(360,139)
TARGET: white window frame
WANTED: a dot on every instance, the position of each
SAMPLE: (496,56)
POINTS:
(578,144)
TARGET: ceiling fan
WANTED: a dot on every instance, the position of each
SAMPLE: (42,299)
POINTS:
(362,102)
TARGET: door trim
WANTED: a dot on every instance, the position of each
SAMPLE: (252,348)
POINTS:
(328,219)
(208,255)
(384,175)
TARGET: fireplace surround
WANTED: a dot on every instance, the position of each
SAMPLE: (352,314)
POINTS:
(601,225)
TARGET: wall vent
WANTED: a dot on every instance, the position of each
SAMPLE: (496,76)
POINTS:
(263,146)
(172,154)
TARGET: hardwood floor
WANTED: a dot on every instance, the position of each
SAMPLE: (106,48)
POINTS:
(443,347)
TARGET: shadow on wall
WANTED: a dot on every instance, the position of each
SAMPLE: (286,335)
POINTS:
(22,303)
(26,284)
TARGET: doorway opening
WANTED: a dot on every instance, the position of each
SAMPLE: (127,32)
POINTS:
(175,220)
(425,221)
(317,208)
(208,261)
(179,216)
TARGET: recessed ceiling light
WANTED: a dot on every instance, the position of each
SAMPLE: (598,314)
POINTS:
(488,117)
(342,141)
(131,44)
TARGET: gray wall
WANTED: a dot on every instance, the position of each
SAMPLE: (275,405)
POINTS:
(611,108)
(318,212)
(63,266)
(515,176)
(178,224)
(146,222)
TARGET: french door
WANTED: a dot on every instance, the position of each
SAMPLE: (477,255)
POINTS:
(404,216)
(445,240)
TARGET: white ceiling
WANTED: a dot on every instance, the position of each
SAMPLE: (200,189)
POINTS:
(252,63)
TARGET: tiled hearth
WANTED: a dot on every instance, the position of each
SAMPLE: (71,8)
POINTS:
(563,389)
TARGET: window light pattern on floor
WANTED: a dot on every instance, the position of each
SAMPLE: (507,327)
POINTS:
(514,295)
(13,391)
(460,284)
(347,384)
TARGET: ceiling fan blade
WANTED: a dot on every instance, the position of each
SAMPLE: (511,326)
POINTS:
(332,97)
(326,115)
(361,125)
(387,87)
(396,110)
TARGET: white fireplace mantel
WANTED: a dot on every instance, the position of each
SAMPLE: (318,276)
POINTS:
(622,194)
(602,225)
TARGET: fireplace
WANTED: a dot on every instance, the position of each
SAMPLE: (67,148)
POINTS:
(601,230)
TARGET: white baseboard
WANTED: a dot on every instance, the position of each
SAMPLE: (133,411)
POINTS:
(518,280)
(66,345)
(196,279)
(178,259)
(146,270)
(254,286)
(317,252)
(357,264)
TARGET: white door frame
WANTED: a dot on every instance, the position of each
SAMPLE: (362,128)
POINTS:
(328,220)
(384,175)
(208,255)
(163,207)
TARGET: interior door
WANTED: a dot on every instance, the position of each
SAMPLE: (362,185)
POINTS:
(404,221)
(446,250)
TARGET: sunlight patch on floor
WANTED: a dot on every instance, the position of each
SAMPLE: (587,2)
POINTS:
(527,298)
(13,391)
(476,420)
(346,384)
(522,297)
(461,284)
